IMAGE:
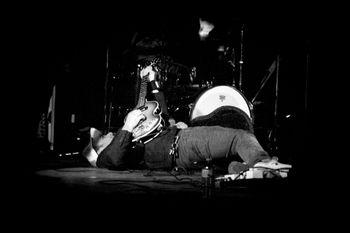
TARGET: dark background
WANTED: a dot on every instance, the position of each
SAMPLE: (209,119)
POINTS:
(44,42)
(67,47)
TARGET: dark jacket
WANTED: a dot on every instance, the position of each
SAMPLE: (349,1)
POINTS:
(122,153)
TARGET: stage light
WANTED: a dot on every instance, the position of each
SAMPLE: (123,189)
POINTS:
(205,28)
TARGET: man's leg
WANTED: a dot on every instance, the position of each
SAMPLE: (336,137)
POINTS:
(199,143)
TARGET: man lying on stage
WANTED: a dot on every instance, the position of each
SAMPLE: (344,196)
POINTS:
(166,146)
(178,146)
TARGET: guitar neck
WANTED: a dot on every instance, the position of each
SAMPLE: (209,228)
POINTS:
(142,93)
(144,75)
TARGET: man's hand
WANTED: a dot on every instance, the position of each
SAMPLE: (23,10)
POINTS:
(132,119)
(181,125)
(148,71)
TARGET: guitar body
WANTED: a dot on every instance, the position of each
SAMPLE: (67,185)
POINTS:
(152,120)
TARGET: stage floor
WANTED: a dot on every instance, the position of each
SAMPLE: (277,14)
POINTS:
(71,182)
(61,189)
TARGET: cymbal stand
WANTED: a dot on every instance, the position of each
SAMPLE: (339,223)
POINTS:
(241,60)
(265,79)
(107,96)
(273,133)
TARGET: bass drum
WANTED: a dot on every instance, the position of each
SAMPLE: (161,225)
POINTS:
(222,105)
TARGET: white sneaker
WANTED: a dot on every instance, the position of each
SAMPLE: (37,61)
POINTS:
(272,164)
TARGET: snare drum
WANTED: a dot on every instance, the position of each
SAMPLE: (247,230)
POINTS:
(226,103)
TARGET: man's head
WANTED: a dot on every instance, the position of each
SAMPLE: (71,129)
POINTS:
(97,144)
(101,142)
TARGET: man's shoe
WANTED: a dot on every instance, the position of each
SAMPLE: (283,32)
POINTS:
(272,164)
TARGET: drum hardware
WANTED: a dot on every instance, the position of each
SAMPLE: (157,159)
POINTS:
(107,95)
(274,67)
(230,59)
(274,130)
(265,79)
(241,60)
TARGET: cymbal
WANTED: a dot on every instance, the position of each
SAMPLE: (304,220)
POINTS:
(149,43)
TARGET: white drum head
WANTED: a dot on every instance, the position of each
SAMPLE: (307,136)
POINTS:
(216,97)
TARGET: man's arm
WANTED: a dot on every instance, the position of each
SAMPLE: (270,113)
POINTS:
(113,155)
(158,93)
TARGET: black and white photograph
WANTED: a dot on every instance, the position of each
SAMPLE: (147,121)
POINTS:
(166,115)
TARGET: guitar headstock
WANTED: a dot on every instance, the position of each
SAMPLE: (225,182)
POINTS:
(149,71)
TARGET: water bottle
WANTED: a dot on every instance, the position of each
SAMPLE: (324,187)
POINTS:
(208,184)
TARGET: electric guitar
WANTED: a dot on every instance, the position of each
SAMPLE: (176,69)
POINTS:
(151,109)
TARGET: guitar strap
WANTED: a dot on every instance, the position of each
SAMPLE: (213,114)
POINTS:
(174,152)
